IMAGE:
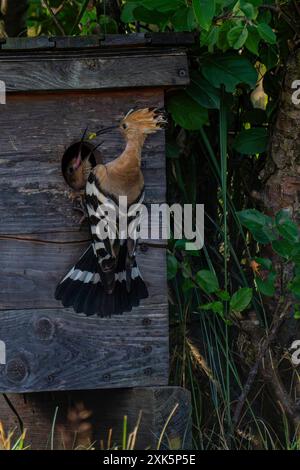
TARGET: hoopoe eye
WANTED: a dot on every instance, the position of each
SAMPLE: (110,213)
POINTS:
(71,169)
(124,126)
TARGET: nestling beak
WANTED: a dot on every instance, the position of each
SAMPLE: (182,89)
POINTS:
(78,162)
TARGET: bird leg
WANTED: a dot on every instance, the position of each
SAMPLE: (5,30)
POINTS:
(79,206)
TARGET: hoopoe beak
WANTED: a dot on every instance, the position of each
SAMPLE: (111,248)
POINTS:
(106,129)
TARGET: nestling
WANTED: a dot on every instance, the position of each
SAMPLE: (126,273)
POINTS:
(106,280)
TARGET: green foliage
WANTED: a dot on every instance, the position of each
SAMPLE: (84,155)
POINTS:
(252,141)
(241,299)
(208,281)
(229,70)
(283,235)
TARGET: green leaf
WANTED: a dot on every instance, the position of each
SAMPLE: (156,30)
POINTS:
(237,36)
(267,287)
(253,40)
(229,70)
(241,299)
(252,141)
(297,312)
(204,12)
(260,225)
(183,19)
(210,38)
(286,227)
(186,112)
(208,281)
(264,262)
(172,266)
(294,286)
(203,92)
(127,15)
(216,307)
(252,218)
(187,285)
(269,56)
(150,16)
(266,33)
(172,150)
(249,9)
(163,5)
(283,248)
(295,255)
(223,295)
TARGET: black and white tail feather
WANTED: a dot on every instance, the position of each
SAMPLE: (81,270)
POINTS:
(106,280)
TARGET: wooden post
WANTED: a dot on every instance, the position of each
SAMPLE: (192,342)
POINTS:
(56,87)
(69,420)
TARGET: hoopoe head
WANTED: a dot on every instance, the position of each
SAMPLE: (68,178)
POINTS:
(144,121)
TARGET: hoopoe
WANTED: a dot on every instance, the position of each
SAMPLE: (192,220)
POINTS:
(106,280)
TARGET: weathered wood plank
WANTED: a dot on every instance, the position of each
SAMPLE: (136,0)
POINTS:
(30,271)
(40,240)
(94,72)
(56,349)
(108,40)
(85,418)
(34,195)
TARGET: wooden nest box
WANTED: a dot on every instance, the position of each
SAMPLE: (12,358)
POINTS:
(55,88)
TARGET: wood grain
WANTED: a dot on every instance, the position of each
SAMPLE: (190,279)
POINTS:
(49,347)
(85,418)
(52,349)
(93,70)
(30,271)
(34,135)
(158,40)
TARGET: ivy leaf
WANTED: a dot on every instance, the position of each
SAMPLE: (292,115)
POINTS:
(186,112)
(172,266)
(241,299)
(229,70)
(237,36)
(208,281)
(252,141)
(267,287)
(266,33)
(204,12)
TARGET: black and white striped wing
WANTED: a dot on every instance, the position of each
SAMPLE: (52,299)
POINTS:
(103,218)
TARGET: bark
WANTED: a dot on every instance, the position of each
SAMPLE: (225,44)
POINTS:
(281,178)
(13,18)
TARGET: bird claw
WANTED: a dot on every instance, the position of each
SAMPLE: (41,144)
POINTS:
(79,206)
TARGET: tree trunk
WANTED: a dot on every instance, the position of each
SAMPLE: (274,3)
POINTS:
(13,18)
(281,178)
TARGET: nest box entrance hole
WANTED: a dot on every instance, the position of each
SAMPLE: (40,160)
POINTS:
(72,151)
